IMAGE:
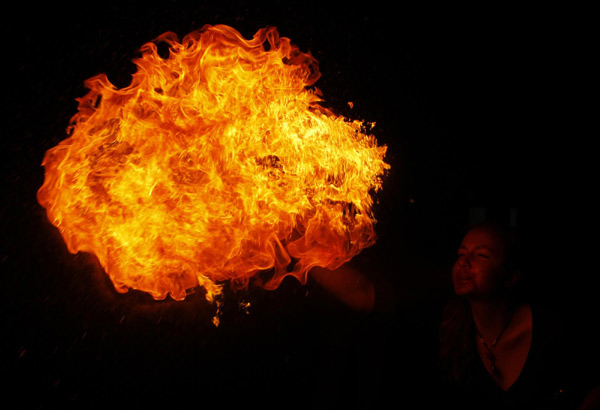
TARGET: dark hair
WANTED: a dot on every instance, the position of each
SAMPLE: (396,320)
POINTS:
(457,331)
(457,347)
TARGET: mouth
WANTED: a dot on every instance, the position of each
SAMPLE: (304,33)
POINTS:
(463,277)
(463,283)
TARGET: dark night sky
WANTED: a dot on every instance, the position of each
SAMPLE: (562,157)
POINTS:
(479,109)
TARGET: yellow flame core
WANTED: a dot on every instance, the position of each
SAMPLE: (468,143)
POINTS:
(213,165)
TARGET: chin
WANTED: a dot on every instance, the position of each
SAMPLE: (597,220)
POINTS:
(463,289)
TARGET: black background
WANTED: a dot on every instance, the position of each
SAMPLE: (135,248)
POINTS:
(481,108)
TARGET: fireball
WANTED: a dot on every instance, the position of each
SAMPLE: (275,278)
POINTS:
(217,164)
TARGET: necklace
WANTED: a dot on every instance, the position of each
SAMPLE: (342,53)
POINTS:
(490,349)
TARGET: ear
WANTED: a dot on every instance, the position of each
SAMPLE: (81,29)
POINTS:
(513,278)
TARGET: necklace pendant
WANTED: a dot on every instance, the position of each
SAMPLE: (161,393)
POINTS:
(492,360)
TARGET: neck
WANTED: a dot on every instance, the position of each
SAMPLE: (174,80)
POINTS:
(491,316)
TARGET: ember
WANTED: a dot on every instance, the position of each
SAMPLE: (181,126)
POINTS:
(214,165)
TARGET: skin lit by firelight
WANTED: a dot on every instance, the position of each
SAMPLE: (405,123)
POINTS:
(479,270)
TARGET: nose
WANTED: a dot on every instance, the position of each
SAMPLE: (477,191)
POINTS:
(464,260)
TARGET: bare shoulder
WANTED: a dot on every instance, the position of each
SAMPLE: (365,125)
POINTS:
(522,325)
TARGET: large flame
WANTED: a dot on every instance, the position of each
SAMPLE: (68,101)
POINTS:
(216,164)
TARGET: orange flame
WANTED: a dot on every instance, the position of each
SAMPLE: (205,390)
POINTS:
(214,165)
